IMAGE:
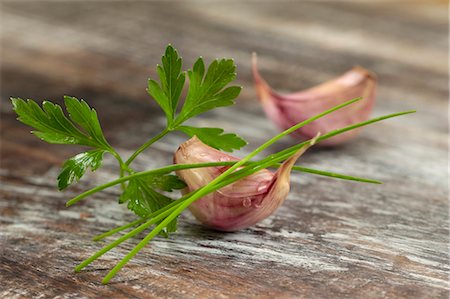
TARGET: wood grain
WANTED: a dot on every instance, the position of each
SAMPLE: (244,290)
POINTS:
(330,239)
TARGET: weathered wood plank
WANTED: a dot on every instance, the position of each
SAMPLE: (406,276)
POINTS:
(330,239)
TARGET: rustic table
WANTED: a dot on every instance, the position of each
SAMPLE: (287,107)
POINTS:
(330,239)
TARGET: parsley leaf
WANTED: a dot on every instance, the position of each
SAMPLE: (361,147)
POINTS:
(215,137)
(86,117)
(54,127)
(50,122)
(172,81)
(143,200)
(74,168)
(207,91)
(81,127)
(167,182)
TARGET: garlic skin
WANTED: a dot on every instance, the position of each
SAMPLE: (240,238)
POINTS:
(287,110)
(240,204)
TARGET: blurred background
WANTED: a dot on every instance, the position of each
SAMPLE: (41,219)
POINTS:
(104,52)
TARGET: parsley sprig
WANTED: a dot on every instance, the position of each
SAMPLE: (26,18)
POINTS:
(145,193)
(207,90)
(81,127)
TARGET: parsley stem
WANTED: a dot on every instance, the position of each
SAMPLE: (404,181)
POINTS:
(279,136)
(124,238)
(146,145)
(295,168)
(154,218)
(162,170)
(122,165)
(284,154)
(136,222)
(230,163)
(171,168)
(331,174)
(118,229)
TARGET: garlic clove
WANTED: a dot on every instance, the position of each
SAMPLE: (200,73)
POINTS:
(240,204)
(286,110)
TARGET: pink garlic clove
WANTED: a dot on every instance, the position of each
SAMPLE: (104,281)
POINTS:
(238,205)
(287,110)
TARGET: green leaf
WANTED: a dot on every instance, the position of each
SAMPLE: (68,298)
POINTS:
(207,91)
(143,200)
(161,98)
(51,125)
(85,117)
(215,137)
(49,121)
(82,128)
(172,79)
(74,168)
(167,182)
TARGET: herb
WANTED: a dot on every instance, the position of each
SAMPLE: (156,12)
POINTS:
(82,128)
(74,168)
(215,138)
(144,193)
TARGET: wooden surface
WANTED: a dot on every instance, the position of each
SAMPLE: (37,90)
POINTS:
(330,239)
